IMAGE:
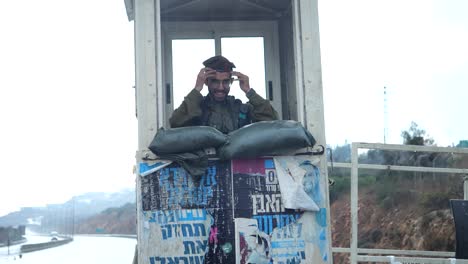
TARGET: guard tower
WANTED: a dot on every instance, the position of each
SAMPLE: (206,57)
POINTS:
(276,43)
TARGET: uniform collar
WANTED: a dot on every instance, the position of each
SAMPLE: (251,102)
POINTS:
(212,101)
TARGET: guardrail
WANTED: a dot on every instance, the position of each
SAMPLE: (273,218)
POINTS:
(40,246)
(430,257)
(109,235)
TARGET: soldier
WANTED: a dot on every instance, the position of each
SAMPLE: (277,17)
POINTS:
(218,109)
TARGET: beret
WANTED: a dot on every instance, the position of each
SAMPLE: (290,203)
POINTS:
(219,63)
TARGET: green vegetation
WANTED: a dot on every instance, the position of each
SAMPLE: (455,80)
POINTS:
(436,201)
(395,188)
(416,136)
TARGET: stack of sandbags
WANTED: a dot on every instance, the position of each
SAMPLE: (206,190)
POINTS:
(266,138)
(186,139)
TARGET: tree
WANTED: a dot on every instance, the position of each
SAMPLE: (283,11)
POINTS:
(341,153)
(416,136)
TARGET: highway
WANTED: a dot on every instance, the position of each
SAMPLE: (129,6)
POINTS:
(84,249)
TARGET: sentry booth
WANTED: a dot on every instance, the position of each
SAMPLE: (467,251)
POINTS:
(235,213)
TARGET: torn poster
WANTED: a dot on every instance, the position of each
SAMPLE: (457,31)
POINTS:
(296,182)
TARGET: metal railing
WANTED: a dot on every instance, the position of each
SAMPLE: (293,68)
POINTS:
(357,254)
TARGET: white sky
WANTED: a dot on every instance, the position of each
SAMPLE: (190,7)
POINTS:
(416,48)
(67,103)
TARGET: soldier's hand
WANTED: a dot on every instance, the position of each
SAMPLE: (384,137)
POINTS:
(243,81)
(203,75)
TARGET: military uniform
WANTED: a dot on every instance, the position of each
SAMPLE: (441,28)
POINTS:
(225,116)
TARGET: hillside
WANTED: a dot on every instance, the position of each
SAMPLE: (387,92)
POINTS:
(407,226)
(397,209)
(62,217)
(90,204)
(117,220)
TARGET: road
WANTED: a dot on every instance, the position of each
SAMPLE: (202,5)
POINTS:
(84,249)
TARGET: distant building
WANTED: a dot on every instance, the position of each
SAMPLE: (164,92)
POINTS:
(12,234)
(463,144)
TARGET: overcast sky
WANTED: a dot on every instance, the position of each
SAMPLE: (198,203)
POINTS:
(67,102)
(415,48)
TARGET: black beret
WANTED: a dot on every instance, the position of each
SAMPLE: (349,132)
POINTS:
(219,63)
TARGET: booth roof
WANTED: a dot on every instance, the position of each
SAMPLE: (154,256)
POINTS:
(217,9)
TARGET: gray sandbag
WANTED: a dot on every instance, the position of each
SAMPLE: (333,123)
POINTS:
(195,163)
(186,139)
(266,138)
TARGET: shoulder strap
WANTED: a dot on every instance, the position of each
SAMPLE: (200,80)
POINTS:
(205,113)
(234,107)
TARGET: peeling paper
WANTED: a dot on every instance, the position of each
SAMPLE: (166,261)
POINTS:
(148,168)
(290,178)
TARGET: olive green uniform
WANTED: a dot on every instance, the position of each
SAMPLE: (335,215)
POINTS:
(225,116)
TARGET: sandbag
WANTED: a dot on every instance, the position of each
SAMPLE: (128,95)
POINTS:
(266,138)
(186,139)
(195,163)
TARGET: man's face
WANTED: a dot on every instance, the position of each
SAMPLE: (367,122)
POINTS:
(219,86)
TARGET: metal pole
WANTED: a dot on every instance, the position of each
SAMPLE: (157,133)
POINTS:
(465,188)
(298,62)
(8,242)
(354,202)
(73,217)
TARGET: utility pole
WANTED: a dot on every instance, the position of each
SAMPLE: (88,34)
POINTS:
(73,217)
(8,243)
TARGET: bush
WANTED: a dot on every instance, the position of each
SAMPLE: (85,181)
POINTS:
(386,203)
(390,195)
(426,221)
(385,191)
(366,180)
(436,244)
(342,185)
(436,201)
(376,235)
